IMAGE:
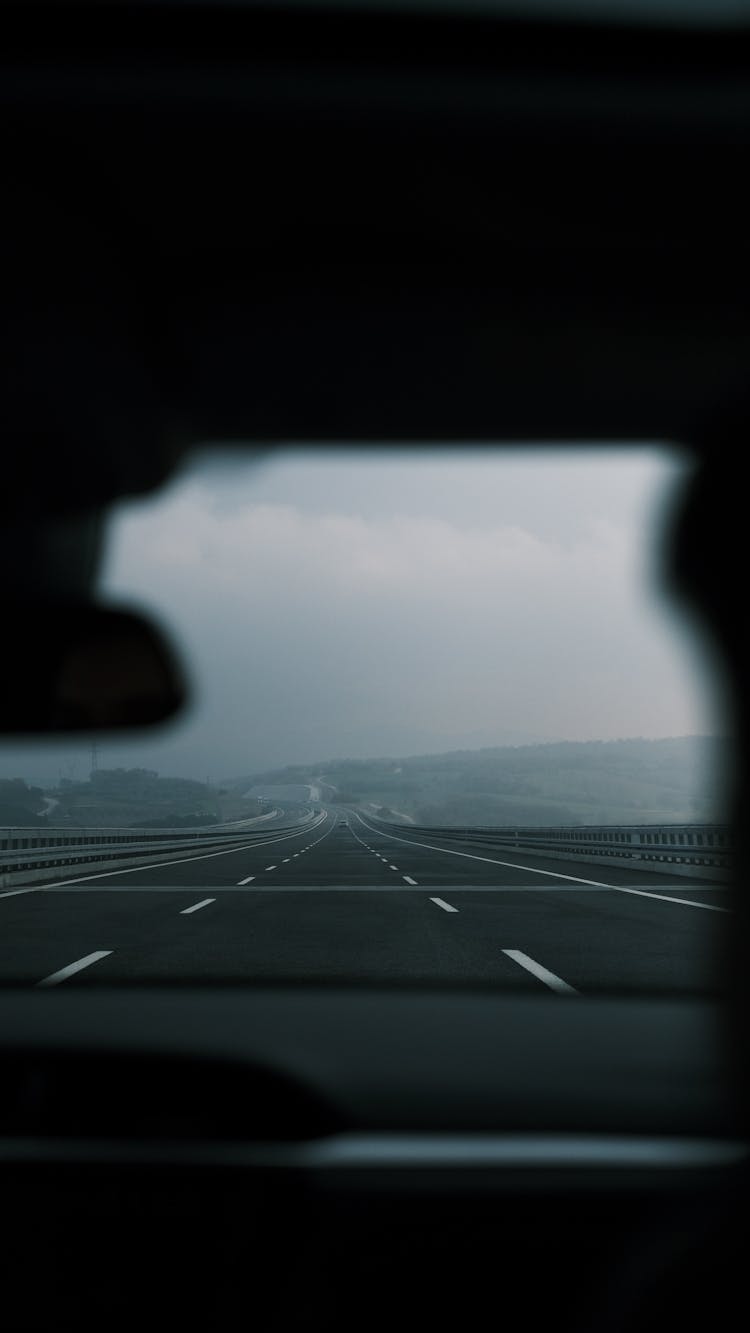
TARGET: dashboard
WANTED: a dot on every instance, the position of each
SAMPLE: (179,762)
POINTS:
(314,1154)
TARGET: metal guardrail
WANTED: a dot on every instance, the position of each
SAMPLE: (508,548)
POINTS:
(28,854)
(694,850)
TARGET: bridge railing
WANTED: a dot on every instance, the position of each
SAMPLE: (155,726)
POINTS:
(693,850)
(33,854)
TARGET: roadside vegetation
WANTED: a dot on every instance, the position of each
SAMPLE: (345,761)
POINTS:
(21,806)
(123,798)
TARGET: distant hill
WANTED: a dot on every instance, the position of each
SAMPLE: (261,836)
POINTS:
(678,779)
(140,798)
(589,782)
(21,806)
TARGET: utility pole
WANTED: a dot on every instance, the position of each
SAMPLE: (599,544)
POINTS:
(94,757)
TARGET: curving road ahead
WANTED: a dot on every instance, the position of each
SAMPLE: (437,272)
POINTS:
(344,900)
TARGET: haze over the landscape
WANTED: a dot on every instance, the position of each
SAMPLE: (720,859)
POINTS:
(396,603)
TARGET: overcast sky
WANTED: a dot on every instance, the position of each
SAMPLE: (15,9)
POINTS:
(395,603)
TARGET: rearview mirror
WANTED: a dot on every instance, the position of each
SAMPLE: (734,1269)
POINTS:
(86,668)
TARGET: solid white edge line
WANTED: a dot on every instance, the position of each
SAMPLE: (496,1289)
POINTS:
(56,977)
(13,893)
(442,903)
(533,870)
(197,906)
(665,898)
(554,982)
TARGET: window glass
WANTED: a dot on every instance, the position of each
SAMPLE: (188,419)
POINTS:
(445,720)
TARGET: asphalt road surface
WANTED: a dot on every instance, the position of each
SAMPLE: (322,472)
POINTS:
(345,901)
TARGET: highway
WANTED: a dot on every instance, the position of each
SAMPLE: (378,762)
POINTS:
(344,900)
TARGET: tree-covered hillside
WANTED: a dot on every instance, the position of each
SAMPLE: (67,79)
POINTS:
(119,797)
(140,798)
(21,806)
(623,781)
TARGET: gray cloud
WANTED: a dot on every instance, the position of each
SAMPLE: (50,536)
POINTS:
(389,605)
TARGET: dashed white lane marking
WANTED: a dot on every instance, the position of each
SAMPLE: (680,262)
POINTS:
(296,854)
(167,865)
(270,867)
(549,978)
(285,862)
(197,906)
(445,906)
(393,867)
(72,968)
(13,893)
(249,880)
(408,879)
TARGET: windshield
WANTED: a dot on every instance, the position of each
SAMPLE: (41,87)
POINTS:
(446,729)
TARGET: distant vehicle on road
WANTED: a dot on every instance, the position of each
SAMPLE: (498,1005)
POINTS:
(343,823)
